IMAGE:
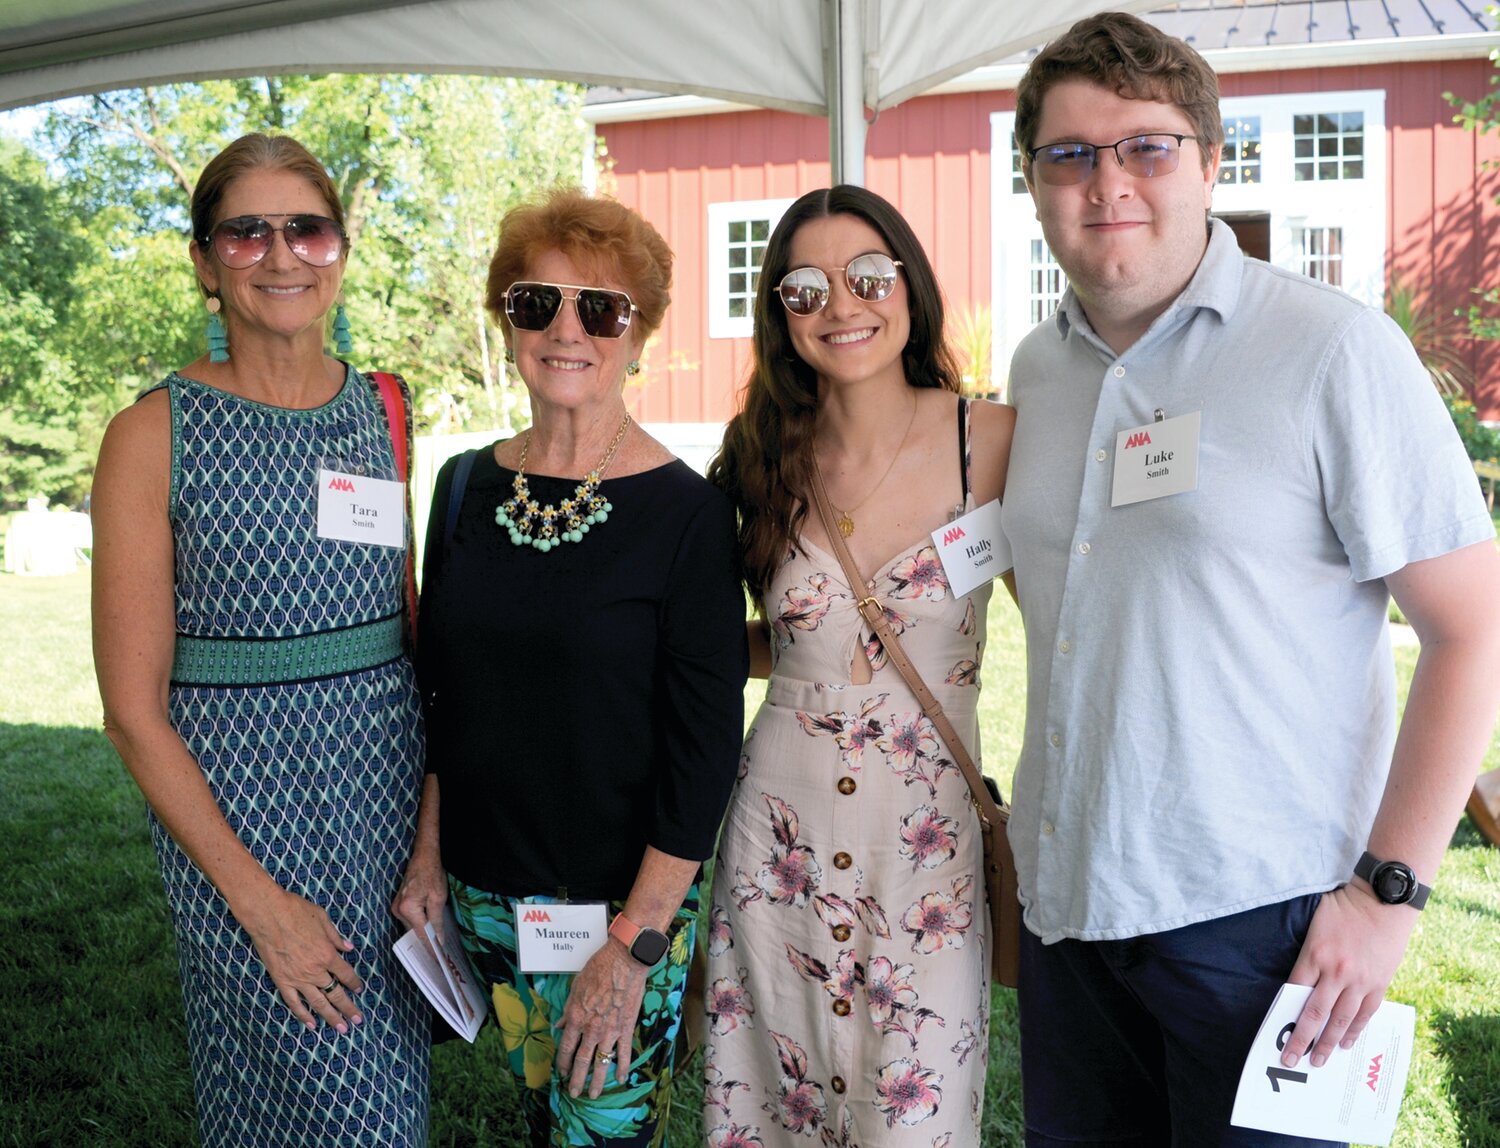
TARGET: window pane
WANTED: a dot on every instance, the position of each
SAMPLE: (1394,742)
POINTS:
(737,283)
(1353,121)
(1354,169)
(737,231)
(1328,146)
(760,229)
(757,254)
(737,308)
(1354,145)
(1304,148)
(1304,171)
(1328,125)
(1302,125)
(737,257)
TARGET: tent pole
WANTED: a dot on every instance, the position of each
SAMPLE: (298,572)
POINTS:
(844,30)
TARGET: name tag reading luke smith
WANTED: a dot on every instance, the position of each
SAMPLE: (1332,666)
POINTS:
(559,937)
(1156,460)
(357,508)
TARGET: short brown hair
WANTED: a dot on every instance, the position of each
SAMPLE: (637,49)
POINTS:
(257,152)
(595,232)
(1135,61)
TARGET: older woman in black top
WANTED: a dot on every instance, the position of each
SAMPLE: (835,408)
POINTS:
(582,658)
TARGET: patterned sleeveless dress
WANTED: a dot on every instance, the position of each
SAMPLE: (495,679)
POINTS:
(290,687)
(848,995)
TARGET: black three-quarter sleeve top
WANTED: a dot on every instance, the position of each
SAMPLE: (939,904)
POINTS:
(585,702)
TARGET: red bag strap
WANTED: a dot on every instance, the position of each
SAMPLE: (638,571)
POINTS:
(392,394)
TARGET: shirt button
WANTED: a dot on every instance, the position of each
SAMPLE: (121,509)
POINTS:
(1048,828)
(838,1084)
(1056,740)
(847,786)
(1100,455)
(1064,646)
(1084,548)
(842,860)
(1119,371)
(840,933)
(840,1008)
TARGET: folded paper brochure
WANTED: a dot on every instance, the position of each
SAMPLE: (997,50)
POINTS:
(442,971)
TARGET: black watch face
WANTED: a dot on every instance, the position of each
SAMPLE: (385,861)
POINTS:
(1393,882)
(649,947)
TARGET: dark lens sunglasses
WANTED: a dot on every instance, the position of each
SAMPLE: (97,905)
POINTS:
(871,277)
(244,240)
(1146,156)
(602,313)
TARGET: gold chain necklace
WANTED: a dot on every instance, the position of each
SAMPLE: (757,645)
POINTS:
(547,526)
(846,517)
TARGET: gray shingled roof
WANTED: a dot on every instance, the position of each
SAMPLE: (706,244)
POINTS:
(1208,24)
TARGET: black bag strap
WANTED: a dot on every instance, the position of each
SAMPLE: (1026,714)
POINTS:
(456,493)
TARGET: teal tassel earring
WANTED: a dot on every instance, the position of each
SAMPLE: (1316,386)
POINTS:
(633,368)
(341,341)
(218,338)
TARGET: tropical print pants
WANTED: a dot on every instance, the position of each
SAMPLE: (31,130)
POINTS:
(529,1008)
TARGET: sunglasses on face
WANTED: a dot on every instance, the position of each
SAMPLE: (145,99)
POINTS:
(602,313)
(1153,154)
(871,278)
(244,240)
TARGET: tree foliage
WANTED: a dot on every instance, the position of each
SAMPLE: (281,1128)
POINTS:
(98,291)
(1482,115)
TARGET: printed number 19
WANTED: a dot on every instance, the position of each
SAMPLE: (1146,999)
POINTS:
(1276,1073)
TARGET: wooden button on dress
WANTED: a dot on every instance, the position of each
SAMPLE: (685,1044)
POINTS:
(841,1008)
(842,860)
(841,932)
(847,785)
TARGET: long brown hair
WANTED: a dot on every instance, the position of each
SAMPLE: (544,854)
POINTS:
(766,460)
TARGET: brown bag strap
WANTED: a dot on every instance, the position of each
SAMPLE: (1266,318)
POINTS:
(873,612)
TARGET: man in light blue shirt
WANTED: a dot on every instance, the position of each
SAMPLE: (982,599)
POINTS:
(1220,471)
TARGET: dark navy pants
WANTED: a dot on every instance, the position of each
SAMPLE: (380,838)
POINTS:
(1139,1043)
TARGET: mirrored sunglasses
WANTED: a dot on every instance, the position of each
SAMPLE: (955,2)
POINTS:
(1153,154)
(602,313)
(871,277)
(244,240)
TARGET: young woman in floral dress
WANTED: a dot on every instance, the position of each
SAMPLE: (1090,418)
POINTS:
(848,994)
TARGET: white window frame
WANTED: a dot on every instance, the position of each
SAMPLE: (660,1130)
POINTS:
(722,325)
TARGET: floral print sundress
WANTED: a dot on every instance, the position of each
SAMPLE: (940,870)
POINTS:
(848,988)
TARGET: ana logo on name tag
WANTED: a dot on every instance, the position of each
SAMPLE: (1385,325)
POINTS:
(1156,460)
(357,508)
(973,549)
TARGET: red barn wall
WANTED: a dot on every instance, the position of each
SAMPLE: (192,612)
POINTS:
(931,157)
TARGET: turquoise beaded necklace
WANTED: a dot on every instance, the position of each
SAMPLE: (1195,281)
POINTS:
(546,526)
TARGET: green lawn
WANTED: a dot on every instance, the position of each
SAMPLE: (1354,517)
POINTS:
(92,1050)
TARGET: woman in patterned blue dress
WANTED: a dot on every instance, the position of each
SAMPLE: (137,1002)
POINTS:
(254,682)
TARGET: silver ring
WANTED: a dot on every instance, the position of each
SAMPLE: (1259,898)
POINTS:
(604,1057)
(330,986)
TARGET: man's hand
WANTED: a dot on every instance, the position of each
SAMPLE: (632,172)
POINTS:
(1351,952)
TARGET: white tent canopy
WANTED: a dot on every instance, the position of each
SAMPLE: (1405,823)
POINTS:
(822,57)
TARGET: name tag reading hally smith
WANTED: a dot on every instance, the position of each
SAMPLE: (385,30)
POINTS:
(973,549)
(357,508)
(1156,460)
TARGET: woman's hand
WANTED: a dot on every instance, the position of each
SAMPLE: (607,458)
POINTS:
(304,955)
(423,889)
(599,1018)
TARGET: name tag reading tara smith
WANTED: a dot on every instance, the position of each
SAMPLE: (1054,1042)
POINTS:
(559,937)
(1156,460)
(357,508)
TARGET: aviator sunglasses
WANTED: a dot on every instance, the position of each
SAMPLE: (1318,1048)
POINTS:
(1144,156)
(602,313)
(871,277)
(244,240)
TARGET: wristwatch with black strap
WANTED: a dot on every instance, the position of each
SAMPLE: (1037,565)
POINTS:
(646,946)
(1394,882)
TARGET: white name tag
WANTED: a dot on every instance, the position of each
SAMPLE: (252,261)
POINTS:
(356,508)
(559,938)
(973,549)
(1156,460)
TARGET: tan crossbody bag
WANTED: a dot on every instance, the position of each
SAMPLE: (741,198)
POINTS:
(994,814)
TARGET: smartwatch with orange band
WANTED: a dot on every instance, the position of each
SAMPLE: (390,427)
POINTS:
(647,946)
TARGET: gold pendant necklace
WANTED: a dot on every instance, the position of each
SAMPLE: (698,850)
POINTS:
(571,518)
(846,517)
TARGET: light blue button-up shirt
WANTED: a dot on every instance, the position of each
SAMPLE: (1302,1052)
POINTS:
(1210,694)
